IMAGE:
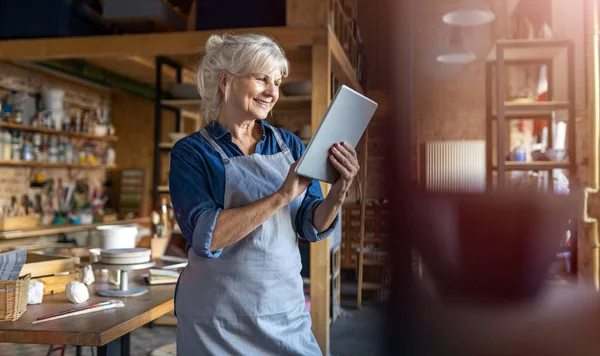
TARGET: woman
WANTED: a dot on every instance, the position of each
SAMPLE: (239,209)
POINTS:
(241,207)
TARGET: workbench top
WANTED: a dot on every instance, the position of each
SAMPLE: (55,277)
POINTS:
(94,329)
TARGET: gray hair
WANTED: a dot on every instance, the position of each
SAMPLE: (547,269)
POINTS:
(239,56)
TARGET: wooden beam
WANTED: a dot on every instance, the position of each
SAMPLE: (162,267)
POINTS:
(306,13)
(340,65)
(172,43)
(320,292)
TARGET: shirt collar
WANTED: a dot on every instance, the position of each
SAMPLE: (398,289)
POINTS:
(217,131)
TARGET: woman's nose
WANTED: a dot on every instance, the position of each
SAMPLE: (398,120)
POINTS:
(270,88)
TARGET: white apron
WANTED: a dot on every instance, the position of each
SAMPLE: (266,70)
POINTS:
(249,300)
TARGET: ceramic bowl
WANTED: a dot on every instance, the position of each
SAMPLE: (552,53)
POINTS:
(297,88)
(184,91)
(176,136)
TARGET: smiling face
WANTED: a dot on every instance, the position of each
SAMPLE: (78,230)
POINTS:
(252,97)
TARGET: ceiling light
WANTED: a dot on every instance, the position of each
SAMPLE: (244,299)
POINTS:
(457,58)
(470,13)
(455,52)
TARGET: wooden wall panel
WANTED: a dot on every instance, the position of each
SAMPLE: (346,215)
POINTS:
(134,122)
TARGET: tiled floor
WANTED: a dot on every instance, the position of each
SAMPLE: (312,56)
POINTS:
(354,333)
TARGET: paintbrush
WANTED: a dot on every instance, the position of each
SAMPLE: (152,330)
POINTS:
(72,310)
(83,310)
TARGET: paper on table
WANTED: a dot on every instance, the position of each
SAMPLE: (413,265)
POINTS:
(11,264)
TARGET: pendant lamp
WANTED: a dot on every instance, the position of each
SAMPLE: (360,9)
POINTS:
(469,13)
(455,52)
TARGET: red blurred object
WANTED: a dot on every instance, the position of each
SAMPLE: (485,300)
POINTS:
(538,125)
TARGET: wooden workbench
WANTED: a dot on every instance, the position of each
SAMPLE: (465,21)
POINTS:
(108,329)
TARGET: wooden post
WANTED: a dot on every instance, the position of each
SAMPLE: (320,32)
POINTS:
(320,292)
(363,208)
(501,128)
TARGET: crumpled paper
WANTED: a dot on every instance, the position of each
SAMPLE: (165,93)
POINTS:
(35,293)
(77,292)
(88,275)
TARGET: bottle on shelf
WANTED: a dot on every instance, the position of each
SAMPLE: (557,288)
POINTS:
(16,146)
(66,124)
(85,122)
(53,149)
(18,117)
(7,146)
(68,152)
(27,154)
(44,149)
(37,143)
(6,109)
(61,149)
(77,126)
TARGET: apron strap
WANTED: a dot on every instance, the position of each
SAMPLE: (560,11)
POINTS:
(215,145)
(282,146)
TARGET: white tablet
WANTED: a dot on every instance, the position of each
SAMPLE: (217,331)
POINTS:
(346,120)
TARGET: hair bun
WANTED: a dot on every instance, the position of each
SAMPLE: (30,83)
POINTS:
(214,42)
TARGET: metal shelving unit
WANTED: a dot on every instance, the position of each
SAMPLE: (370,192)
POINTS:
(159,106)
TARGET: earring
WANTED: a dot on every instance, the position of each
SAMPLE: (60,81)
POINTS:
(271,112)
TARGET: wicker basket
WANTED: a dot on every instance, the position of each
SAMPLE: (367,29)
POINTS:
(13,298)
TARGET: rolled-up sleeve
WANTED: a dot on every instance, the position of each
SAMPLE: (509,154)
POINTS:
(314,196)
(304,219)
(195,209)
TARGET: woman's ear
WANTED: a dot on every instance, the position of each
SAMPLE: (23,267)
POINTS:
(223,81)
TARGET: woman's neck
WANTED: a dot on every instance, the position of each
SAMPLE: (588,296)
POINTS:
(245,133)
(240,129)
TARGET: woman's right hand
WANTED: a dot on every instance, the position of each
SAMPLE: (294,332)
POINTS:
(294,185)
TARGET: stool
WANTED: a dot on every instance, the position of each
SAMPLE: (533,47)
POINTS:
(166,350)
(63,348)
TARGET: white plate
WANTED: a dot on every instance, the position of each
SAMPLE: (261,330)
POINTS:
(124,260)
(125,252)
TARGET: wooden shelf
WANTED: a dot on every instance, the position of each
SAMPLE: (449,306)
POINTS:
(521,116)
(532,166)
(529,50)
(57,132)
(185,104)
(64,229)
(534,108)
(55,165)
(372,286)
(153,44)
(347,286)
(163,188)
(166,145)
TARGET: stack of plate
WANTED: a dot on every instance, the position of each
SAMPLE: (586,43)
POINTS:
(125,256)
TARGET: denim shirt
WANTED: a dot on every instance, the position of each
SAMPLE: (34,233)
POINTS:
(197,184)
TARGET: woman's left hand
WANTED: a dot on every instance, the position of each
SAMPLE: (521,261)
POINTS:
(344,159)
